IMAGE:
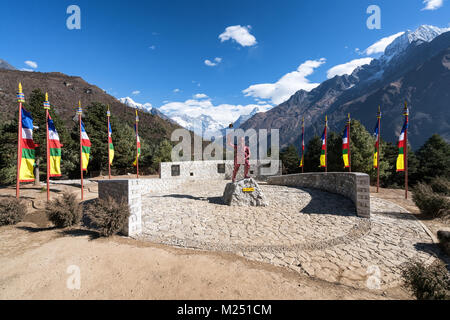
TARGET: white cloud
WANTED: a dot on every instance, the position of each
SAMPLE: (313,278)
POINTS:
(136,92)
(153,47)
(31,64)
(224,113)
(347,68)
(289,84)
(27,70)
(210,63)
(240,34)
(432,4)
(381,45)
(176,90)
(200,96)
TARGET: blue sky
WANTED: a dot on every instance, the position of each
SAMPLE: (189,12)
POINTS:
(159,48)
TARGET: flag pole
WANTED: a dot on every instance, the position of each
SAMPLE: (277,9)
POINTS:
(80,112)
(326,144)
(47,108)
(406,114)
(137,145)
(349,145)
(378,148)
(108,115)
(20,99)
(303,145)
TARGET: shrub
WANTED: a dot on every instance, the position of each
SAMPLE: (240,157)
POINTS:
(427,283)
(441,185)
(108,216)
(12,211)
(429,202)
(65,211)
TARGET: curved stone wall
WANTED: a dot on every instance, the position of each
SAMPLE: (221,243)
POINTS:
(355,186)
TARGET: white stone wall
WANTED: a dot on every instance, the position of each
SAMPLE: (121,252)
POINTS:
(199,170)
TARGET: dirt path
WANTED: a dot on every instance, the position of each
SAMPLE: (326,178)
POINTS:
(35,261)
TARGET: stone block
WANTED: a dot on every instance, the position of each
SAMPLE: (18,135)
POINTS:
(244,193)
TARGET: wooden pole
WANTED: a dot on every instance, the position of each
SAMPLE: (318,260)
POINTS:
(80,111)
(406,149)
(137,145)
(21,99)
(47,107)
(378,149)
(349,145)
(303,145)
(326,144)
(108,115)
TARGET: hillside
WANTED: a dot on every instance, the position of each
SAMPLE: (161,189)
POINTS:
(417,71)
(65,91)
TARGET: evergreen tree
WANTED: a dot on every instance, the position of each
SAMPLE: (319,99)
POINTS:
(8,152)
(162,154)
(312,155)
(434,159)
(362,148)
(392,178)
(334,152)
(290,159)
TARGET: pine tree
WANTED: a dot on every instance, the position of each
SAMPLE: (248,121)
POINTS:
(362,148)
(434,159)
(312,155)
(162,154)
(290,159)
(392,178)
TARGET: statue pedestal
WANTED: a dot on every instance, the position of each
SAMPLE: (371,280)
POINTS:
(244,193)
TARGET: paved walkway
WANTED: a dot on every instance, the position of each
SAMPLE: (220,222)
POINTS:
(312,232)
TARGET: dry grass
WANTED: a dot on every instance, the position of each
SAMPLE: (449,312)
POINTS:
(12,211)
(108,216)
(65,211)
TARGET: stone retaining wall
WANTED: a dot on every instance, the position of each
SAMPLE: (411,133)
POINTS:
(131,191)
(355,186)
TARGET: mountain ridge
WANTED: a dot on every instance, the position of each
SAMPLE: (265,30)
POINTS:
(339,95)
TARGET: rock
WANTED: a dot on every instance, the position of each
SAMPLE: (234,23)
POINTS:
(444,239)
(234,194)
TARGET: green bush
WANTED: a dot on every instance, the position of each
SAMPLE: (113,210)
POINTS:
(65,211)
(441,185)
(12,211)
(108,216)
(427,283)
(430,203)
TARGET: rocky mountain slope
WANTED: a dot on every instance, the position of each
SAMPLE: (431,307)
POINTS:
(65,91)
(415,68)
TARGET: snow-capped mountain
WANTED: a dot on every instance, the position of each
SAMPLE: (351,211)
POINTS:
(414,67)
(395,56)
(237,124)
(202,125)
(208,126)
(146,107)
(423,34)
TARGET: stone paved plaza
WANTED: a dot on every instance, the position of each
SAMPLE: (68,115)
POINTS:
(309,231)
